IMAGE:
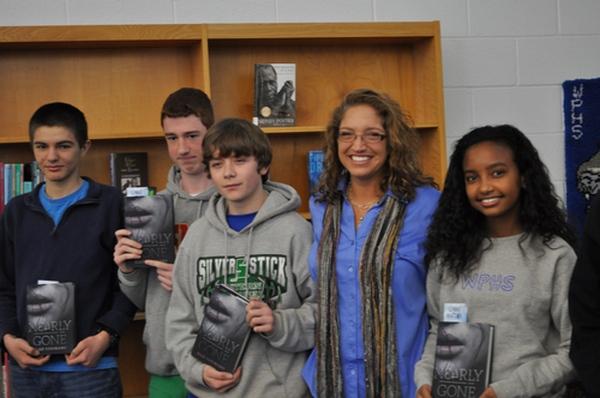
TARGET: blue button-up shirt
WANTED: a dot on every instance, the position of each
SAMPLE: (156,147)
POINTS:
(408,291)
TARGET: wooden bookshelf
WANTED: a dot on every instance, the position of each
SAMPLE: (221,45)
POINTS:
(119,75)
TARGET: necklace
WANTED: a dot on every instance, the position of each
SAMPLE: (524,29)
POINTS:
(362,206)
(361,209)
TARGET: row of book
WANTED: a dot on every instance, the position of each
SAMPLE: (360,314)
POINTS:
(17,179)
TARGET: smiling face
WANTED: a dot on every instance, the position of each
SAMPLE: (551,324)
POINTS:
(493,186)
(363,160)
(184,137)
(239,180)
(58,154)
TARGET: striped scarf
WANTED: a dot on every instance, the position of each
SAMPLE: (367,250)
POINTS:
(376,268)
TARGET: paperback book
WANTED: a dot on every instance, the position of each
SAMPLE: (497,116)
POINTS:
(463,359)
(150,220)
(315,168)
(51,317)
(128,169)
(275,94)
(224,332)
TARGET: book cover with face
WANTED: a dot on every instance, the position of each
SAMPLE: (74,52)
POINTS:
(51,317)
(462,359)
(150,220)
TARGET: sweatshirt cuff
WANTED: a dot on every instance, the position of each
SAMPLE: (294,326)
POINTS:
(129,278)
(421,380)
(195,379)
(278,333)
(504,388)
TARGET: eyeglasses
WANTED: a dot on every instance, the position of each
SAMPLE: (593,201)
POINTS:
(372,137)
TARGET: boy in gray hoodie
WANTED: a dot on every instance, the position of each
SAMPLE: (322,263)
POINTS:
(185,117)
(250,230)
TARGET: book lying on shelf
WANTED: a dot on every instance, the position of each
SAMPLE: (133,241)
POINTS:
(150,220)
(463,359)
(128,169)
(275,95)
(51,317)
(224,332)
(315,168)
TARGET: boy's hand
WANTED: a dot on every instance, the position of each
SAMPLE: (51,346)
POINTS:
(164,272)
(489,393)
(126,249)
(22,352)
(424,391)
(260,316)
(220,381)
(89,350)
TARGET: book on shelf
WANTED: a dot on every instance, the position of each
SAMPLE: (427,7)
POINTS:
(17,179)
(315,168)
(224,332)
(463,359)
(128,169)
(51,317)
(150,220)
(275,94)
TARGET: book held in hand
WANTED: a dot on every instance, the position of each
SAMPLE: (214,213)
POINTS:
(275,94)
(224,332)
(51,317)
(463,359)
(128,169)
(150,220)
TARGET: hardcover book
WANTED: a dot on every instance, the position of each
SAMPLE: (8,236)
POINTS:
(51,317)
(128,169)
(275,94)
(150,220)
(463,359)
(315,168)
(224,332)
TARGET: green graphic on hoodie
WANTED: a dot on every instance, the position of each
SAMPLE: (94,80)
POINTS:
(247,279)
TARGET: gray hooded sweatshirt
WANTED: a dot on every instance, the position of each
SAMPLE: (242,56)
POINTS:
(275,247)
(143,287)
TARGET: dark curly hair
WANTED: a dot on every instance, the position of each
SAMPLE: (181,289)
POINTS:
(458,231)
(401,174)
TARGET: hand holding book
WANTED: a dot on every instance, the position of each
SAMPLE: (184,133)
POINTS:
(260,317)
(220,381)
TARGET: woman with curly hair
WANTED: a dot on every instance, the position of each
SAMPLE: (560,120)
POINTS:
(500,246)
(370,214)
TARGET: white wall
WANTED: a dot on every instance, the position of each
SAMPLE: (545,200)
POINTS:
(504,60)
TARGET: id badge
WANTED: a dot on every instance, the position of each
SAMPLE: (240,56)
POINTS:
(455,312)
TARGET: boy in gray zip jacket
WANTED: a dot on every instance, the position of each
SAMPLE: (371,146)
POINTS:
(250,230)
(186,115)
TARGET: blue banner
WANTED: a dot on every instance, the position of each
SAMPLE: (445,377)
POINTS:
(582,146)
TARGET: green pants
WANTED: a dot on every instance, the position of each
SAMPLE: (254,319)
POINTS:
(166,387)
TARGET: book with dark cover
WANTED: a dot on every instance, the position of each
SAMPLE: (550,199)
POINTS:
(150,220)
(463,359)
(224,332)
(51,317)
(128,169)
(275,94)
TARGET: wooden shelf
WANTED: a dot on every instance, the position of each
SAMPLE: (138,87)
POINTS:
(119,76)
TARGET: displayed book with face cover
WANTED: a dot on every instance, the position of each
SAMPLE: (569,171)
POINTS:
(463,359)
(51,317)
(150,220)
(275,94)
(224,332)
